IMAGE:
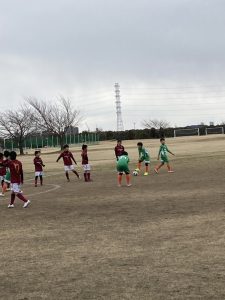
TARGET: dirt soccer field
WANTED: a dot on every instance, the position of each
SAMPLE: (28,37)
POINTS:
(162,238)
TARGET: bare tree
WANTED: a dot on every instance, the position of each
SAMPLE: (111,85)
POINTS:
(17,125)
(55,118)
(157,124)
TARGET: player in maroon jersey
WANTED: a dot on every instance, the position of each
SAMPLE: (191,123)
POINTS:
(68,160)
(16,171)
(85,164)
(38,163)
(119,149)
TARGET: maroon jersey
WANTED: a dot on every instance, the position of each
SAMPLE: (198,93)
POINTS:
(38,163)
(2,168)
(16,171)
(67,157)
(84,157)
(119,150)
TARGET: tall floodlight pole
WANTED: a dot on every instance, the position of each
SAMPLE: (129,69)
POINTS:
(118,108)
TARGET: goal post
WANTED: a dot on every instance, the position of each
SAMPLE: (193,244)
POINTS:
(214,130)
(186,132)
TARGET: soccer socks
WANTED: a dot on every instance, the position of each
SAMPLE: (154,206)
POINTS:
(85,177)
(21,197)
(75,172)
(41,179)
(4,188)
(146,169)
(67,176)
(89,176)
(13,196)
(35,181)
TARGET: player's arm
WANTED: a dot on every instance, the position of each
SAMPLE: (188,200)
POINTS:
(43,165)
(60,156)
(72,157)
(159,153)
(170,152)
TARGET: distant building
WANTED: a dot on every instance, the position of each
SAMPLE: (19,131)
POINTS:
(72,130)
(211,123)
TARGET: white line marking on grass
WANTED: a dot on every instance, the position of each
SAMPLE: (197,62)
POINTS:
(54,187)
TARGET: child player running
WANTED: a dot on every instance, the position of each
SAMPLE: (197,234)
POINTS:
(143,157)
(163,156)
(122,167)
(38,164)
(68,160)
(85,164)
(16,171)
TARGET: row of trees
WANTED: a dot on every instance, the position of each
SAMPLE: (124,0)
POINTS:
(38,117)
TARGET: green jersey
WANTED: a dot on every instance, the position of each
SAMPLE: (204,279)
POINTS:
(122,164)
(163,153)
(143,154)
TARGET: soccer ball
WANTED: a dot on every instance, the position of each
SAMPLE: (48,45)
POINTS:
(135,173)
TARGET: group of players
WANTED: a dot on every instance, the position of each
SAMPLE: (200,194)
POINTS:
(144,157)
(11,170)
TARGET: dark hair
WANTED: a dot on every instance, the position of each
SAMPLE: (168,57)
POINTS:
(119,141)
(84,146)
(140,144)
(13,155)
(1,155)
(36,152)
(6,153)
(65,146)
(162,139)
(124,153)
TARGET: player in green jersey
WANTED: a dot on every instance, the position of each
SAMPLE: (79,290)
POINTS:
(163,150)
(122,167)
(143,157)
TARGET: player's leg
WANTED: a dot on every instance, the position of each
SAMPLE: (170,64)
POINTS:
(67,176)
(159,167)
(88,168)
(13,196)
(119,178)
(75,172)
(146,168)
(41,179)
(4,188)
(128,177)
(138,166)
(35,180)
(169,168)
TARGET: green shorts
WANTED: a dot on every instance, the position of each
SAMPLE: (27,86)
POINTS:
(164,159)
(123,169)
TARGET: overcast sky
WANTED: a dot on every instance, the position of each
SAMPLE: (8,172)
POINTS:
(167,55)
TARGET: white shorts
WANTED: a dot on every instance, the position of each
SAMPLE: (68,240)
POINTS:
(15,187)
(69,168)
(39,173)
(87,167)
(2,178)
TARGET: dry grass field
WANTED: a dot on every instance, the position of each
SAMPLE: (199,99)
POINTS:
(163,238)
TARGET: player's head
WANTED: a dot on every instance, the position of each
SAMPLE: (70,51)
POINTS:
(125,153)
(1,155)
(84,147)
(37,153)
(12,155)
(162,140)
(119,142)
(6,153)
(66,147)
(140,145)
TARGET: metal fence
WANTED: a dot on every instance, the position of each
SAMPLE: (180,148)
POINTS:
(37,142)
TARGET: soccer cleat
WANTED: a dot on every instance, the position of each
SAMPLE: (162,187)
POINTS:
(128,185)
(2,195)
(11,206)
(35,185)
(146,174)
(26,204)
(156,171)
(170,171)
(137,170)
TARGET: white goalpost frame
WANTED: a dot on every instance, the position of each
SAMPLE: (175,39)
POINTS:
(215,128)
(187,129)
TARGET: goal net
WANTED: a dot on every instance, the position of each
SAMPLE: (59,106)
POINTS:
(214,130)
(186,132)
